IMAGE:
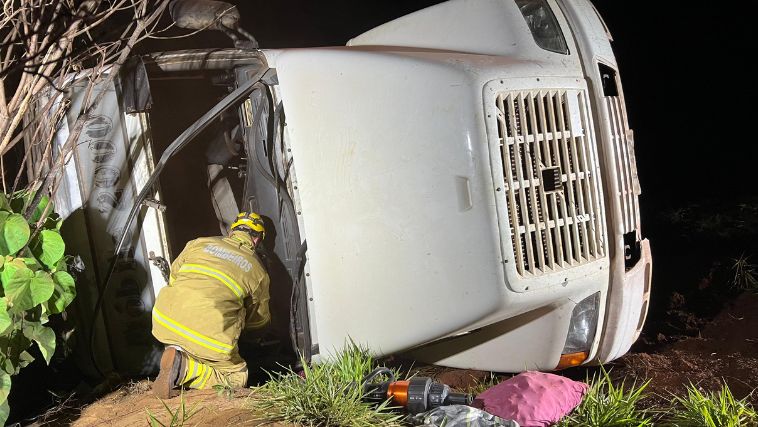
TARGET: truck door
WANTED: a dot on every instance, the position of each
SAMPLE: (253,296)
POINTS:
(268,192)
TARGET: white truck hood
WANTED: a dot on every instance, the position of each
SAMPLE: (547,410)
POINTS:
(397,200)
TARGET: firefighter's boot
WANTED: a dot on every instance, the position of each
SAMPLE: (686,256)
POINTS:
(173,365)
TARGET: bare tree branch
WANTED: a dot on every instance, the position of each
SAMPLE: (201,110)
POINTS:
(47,46)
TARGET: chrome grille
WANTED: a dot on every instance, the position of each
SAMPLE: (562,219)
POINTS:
(551,182)
(626,165)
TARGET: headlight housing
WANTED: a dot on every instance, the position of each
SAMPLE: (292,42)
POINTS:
(543,25)
(581,333)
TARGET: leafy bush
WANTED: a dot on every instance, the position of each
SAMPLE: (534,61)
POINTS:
(708,409)
(329,394)
(35,285)
(608,405)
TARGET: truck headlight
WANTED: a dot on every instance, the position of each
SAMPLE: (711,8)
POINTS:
(543,25)
(581,332)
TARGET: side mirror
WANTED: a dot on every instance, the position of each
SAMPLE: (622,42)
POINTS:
(211,15)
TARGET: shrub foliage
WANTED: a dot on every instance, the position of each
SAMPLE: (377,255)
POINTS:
(35,285)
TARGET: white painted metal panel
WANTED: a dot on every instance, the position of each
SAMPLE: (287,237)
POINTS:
(487,27)
(109,165)
(628,306)
(391,163)
(628,291)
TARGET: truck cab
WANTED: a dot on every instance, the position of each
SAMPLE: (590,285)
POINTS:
(458,185)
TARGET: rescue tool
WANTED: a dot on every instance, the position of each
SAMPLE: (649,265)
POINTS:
(416,395)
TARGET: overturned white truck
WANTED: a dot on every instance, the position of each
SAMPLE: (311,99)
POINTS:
(458,184)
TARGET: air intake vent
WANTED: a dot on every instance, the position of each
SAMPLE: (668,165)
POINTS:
(552,190)
(626,165)
(622,144)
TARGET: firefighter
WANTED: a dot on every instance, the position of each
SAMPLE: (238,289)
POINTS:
(217,288)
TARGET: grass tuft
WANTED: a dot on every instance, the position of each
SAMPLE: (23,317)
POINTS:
(329,394)
(708,409)
(745,276)
(176,417)
(608,405)
(480,386)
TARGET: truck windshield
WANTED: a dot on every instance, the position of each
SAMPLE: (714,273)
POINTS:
(543,25)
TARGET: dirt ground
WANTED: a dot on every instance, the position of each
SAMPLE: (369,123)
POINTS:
(725,350)
(722,349)
(129,406)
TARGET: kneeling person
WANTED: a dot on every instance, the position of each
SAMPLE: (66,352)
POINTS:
(218,287)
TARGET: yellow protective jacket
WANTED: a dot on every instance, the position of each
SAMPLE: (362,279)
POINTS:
(218,286)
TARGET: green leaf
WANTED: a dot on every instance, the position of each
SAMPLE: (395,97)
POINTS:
(44,337)
(17,283)
(20,200)
(5,386)
(43,317)
(48,247)
(25,358)
(63,293)
(17,357)
(23,287)
(62,264)
(31,263)
(4,205)
(42,287)
(3,216)
(14,234)
(5,319)
(40,209)
(5,410)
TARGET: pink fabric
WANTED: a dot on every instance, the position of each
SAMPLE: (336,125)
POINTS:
(533,399)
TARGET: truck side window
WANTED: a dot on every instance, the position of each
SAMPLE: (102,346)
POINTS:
(543,25)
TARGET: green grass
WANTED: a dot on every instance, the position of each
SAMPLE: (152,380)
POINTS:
(608,405)
(709,409)
(331,392)
(329,395)
(487,383)
(176,417)
(745,274)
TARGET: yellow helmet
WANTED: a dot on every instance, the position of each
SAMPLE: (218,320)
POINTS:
(249,221)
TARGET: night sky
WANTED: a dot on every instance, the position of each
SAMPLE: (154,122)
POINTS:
(685,67)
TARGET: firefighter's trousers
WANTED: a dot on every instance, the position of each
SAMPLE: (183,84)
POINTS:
(204,374)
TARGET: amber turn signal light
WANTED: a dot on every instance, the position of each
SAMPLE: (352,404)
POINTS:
(571,359)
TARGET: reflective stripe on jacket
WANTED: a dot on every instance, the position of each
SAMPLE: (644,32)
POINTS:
(217,287)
